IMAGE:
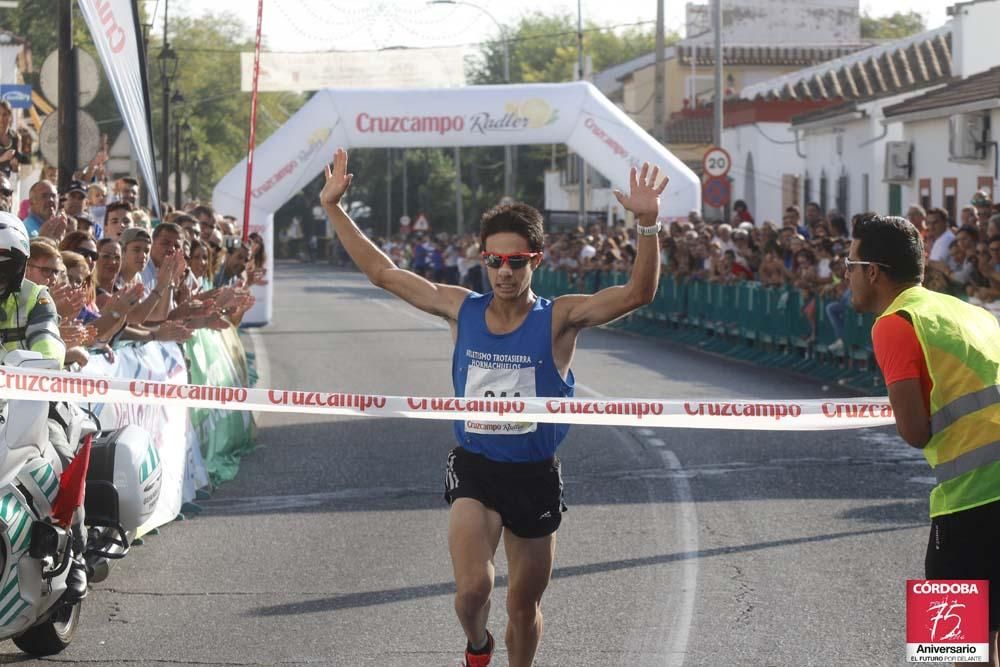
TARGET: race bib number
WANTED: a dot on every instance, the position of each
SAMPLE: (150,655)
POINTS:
(500,383)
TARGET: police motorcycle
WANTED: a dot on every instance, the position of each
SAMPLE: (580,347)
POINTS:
(44,562)
(39,609)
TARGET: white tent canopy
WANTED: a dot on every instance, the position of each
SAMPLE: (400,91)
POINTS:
(576,114)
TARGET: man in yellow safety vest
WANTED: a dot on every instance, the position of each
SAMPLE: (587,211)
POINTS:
(941,360)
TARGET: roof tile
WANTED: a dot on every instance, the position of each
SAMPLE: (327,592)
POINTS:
(976,88)
(900,66)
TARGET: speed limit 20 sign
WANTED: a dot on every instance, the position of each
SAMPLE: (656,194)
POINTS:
(716,162)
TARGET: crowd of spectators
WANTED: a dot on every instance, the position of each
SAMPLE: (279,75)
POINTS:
(116,274)
(805,253)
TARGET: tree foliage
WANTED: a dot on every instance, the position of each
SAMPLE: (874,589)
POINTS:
(896,26)
(208,76)
(542,49)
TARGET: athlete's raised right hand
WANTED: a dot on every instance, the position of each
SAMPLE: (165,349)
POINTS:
(337,180)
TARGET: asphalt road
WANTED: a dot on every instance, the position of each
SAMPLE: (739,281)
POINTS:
(680,547)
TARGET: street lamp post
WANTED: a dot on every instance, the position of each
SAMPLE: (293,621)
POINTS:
(195,165)
(176,100)
(181,130)
(508,174)
(581,165)
(167,61)
(68,159)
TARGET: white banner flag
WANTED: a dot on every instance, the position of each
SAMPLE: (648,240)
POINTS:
(114,25)
(403,68)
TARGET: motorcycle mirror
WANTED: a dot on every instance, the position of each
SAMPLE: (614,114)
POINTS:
(47,540)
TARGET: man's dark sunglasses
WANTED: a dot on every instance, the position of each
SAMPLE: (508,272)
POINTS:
(89,254)
(515,260)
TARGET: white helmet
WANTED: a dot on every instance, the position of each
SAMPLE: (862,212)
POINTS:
(15,248)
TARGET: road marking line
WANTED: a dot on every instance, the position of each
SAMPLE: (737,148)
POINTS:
(932,481)
(656,442)
(676,640)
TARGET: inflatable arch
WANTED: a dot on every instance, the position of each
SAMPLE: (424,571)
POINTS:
(576,114)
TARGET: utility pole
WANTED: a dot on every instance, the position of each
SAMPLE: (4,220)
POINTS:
(388,193)
(69,98)
(402,153)
(659,81)
(177,164)
(165,76)
(508,172)
(720,93)
(581,165)
(459,214)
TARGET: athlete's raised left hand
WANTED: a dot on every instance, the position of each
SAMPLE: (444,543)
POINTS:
(643,199)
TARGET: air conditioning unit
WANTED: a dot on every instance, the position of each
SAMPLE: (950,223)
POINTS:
(898,161)
(967,136)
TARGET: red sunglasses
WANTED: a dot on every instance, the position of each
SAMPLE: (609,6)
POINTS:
(515,260)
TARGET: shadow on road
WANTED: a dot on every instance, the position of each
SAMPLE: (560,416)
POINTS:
(374,464)
(392,595)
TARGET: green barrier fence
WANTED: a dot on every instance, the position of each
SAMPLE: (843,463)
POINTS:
(217,358)
(747,321)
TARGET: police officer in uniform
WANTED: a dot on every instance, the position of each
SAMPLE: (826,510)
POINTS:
(29,321)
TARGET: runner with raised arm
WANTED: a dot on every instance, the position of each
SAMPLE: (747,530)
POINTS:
(504,479)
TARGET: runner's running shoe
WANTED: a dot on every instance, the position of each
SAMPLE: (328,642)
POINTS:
(481,658)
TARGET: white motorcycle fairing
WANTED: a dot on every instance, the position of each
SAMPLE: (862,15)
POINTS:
(25,596)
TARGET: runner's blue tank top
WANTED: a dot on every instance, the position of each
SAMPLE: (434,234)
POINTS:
(512,365)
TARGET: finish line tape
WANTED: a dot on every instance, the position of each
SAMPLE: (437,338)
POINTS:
(495,414)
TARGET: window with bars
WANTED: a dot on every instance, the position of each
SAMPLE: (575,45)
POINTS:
(843,187)
(824,198)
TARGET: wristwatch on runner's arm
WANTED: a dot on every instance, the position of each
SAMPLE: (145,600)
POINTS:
(652,230)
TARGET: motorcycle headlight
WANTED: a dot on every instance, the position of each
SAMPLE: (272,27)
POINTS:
(47,541)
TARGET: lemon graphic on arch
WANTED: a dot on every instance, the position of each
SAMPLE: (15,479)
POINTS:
(537,111)
(320,135)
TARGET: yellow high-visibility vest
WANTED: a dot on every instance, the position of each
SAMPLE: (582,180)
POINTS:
(961,345)
(25,327)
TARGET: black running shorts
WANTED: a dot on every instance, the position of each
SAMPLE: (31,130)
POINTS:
(527,496)
(966,545)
